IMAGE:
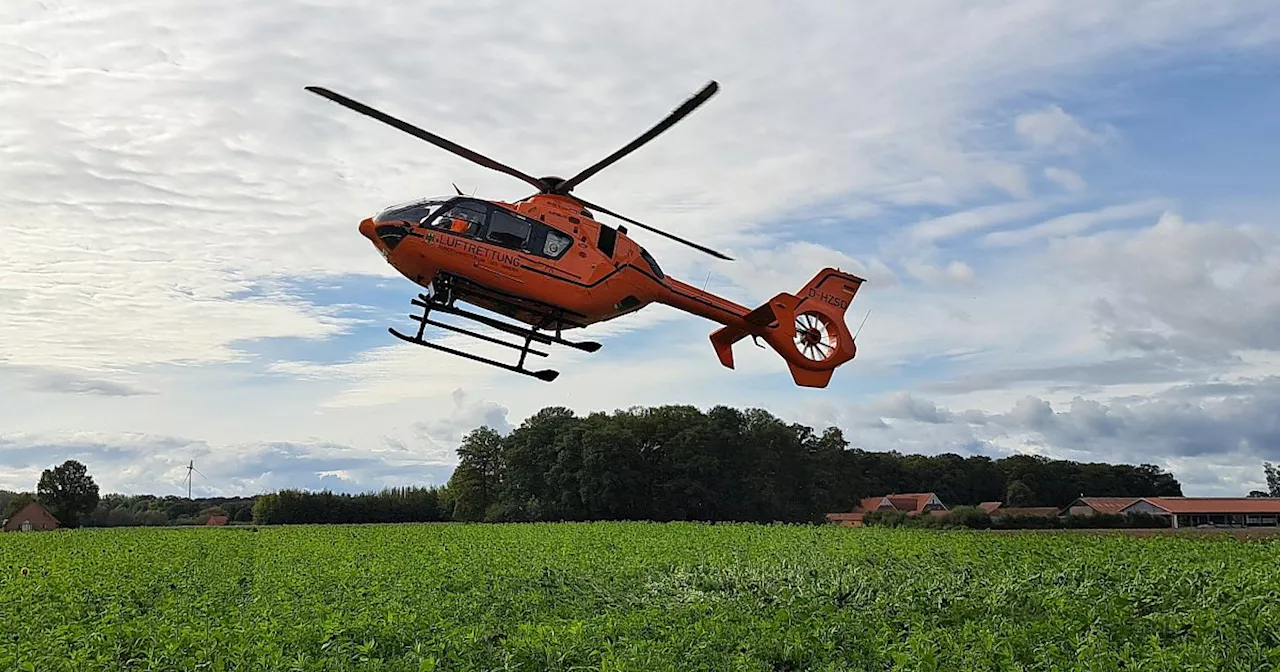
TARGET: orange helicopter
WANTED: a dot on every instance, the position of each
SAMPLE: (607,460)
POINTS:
(545,261)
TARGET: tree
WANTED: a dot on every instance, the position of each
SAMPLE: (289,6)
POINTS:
(1019,495)
(476,481)
(1273,478)
(266,509)
(68,491)
(1259,493)
(15,504)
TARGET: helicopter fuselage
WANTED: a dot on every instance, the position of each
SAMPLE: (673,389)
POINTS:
(543,261)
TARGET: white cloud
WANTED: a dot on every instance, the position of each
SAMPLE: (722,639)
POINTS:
(1076,222)
(1067,179)
(966,221)
(1053,128)
(956,271)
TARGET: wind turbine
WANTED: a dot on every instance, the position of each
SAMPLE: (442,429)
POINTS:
(191,466)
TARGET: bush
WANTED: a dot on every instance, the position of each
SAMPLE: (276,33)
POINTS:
(888,518)
(970,517)
(1026,522)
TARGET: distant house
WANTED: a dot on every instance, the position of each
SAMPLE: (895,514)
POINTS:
(216,520)
(1211,511)
(31,518)
(1092,506)
(912,504)
(995,509)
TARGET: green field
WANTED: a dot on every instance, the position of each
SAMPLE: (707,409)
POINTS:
(632,596)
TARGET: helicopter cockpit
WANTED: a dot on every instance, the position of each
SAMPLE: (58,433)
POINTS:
(481,221)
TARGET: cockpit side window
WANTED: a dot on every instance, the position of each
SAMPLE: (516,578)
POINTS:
(653,263)
(463,218)
(508,230)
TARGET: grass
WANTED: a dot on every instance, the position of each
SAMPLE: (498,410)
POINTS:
(633,596)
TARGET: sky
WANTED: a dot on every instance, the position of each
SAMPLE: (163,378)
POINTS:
(1065,212)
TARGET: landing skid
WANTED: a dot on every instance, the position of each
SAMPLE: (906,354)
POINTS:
(446,306)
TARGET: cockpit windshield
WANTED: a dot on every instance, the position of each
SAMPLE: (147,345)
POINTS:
(414,212)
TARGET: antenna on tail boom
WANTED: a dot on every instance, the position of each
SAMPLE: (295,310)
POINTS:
(860,326)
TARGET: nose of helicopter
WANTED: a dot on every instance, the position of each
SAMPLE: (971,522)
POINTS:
(384,237)
(367,230)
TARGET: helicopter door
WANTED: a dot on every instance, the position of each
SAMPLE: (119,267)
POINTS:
(505,231)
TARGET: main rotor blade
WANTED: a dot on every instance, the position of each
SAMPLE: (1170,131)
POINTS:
(650,228)
(429,137)
(679,113)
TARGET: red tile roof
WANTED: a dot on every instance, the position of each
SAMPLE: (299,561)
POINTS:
(911,503)
(869,503)
(1217,505)
(1106,504)
(989,506)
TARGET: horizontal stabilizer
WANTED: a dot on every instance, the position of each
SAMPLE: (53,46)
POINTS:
(760,318)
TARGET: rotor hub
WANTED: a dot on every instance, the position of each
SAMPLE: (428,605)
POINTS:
(553,182)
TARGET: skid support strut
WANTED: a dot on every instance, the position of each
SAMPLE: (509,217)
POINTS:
(429,304)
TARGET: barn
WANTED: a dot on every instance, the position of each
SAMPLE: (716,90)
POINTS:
(1092,506)
(31,518)
(1211,511)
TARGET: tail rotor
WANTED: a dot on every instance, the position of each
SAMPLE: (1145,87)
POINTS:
(808,329)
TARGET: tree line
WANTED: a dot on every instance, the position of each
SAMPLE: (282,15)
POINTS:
(390,505)
(659,463)
(677,462)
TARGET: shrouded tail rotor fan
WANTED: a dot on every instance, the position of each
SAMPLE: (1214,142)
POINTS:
(816,337)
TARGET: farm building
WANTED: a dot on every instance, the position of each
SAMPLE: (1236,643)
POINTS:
(998,509)
(1092,506)
(914,503)
(216,520)
(1215,511)
(1182,511)
(31,518)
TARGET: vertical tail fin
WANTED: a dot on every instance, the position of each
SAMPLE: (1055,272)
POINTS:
(808,330)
